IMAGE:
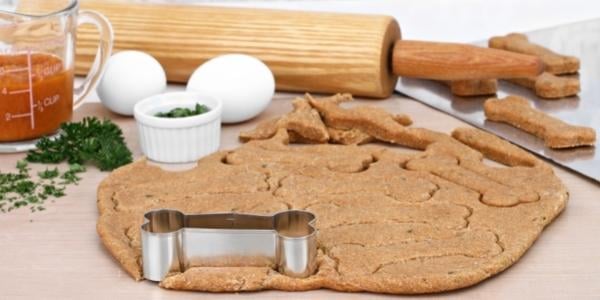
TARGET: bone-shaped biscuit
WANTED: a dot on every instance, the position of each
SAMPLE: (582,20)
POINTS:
(303,121)
(375,122)
(495,148)
(305,125)
(517,112)
(550,86)
(553,62)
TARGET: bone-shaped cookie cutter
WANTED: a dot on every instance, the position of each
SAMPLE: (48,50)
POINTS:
(173,242)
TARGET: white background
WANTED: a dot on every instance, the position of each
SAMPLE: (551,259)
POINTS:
(448,20)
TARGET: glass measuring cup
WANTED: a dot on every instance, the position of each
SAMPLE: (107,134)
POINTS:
(37,59)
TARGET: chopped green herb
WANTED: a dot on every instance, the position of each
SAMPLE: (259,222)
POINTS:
(184,112)
(24,187)
(98,142)
(52,190)
(91,140)
(70,176)
(20,189)
(48,174)
(22,166)
(76,168)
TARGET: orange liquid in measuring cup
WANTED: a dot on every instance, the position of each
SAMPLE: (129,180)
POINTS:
(36,95)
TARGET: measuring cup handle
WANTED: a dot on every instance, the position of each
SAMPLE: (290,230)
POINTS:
(102,55)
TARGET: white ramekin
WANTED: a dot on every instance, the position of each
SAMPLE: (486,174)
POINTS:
(178,140)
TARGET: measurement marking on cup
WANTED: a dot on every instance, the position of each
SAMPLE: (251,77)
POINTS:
(31,104)
(20,115)
(4,71)
(40,105)
(9,116)
(18,92)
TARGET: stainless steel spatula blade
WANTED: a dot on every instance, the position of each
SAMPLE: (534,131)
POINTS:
(578,39)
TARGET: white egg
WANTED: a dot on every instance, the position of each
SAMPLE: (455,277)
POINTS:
(243,83)
(130,77)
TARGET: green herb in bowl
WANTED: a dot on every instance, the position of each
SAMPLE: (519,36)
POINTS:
(184,112)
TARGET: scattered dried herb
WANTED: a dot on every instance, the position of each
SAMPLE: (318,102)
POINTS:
(49,174)
(70,176)
(180,112)
(19,189)
(90,141)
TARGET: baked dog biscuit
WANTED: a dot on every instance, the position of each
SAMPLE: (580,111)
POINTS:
(303,121)
(517,112)
(349,137)
(496,148)
(466,88)
(373,121)
(550,86)
(263,130)
(553,62)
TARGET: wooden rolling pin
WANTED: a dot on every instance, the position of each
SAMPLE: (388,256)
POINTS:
(307,51)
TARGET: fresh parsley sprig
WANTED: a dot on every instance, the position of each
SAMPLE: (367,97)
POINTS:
(91,140)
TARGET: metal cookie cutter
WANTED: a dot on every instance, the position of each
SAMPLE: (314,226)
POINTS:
(173,242)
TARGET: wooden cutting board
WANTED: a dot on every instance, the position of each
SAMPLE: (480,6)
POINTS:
(57,253)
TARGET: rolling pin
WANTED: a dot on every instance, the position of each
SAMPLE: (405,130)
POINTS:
(307,51)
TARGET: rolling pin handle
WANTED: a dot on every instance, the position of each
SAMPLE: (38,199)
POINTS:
(450,61)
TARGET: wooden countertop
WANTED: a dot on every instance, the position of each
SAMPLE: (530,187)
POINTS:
(57,253)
